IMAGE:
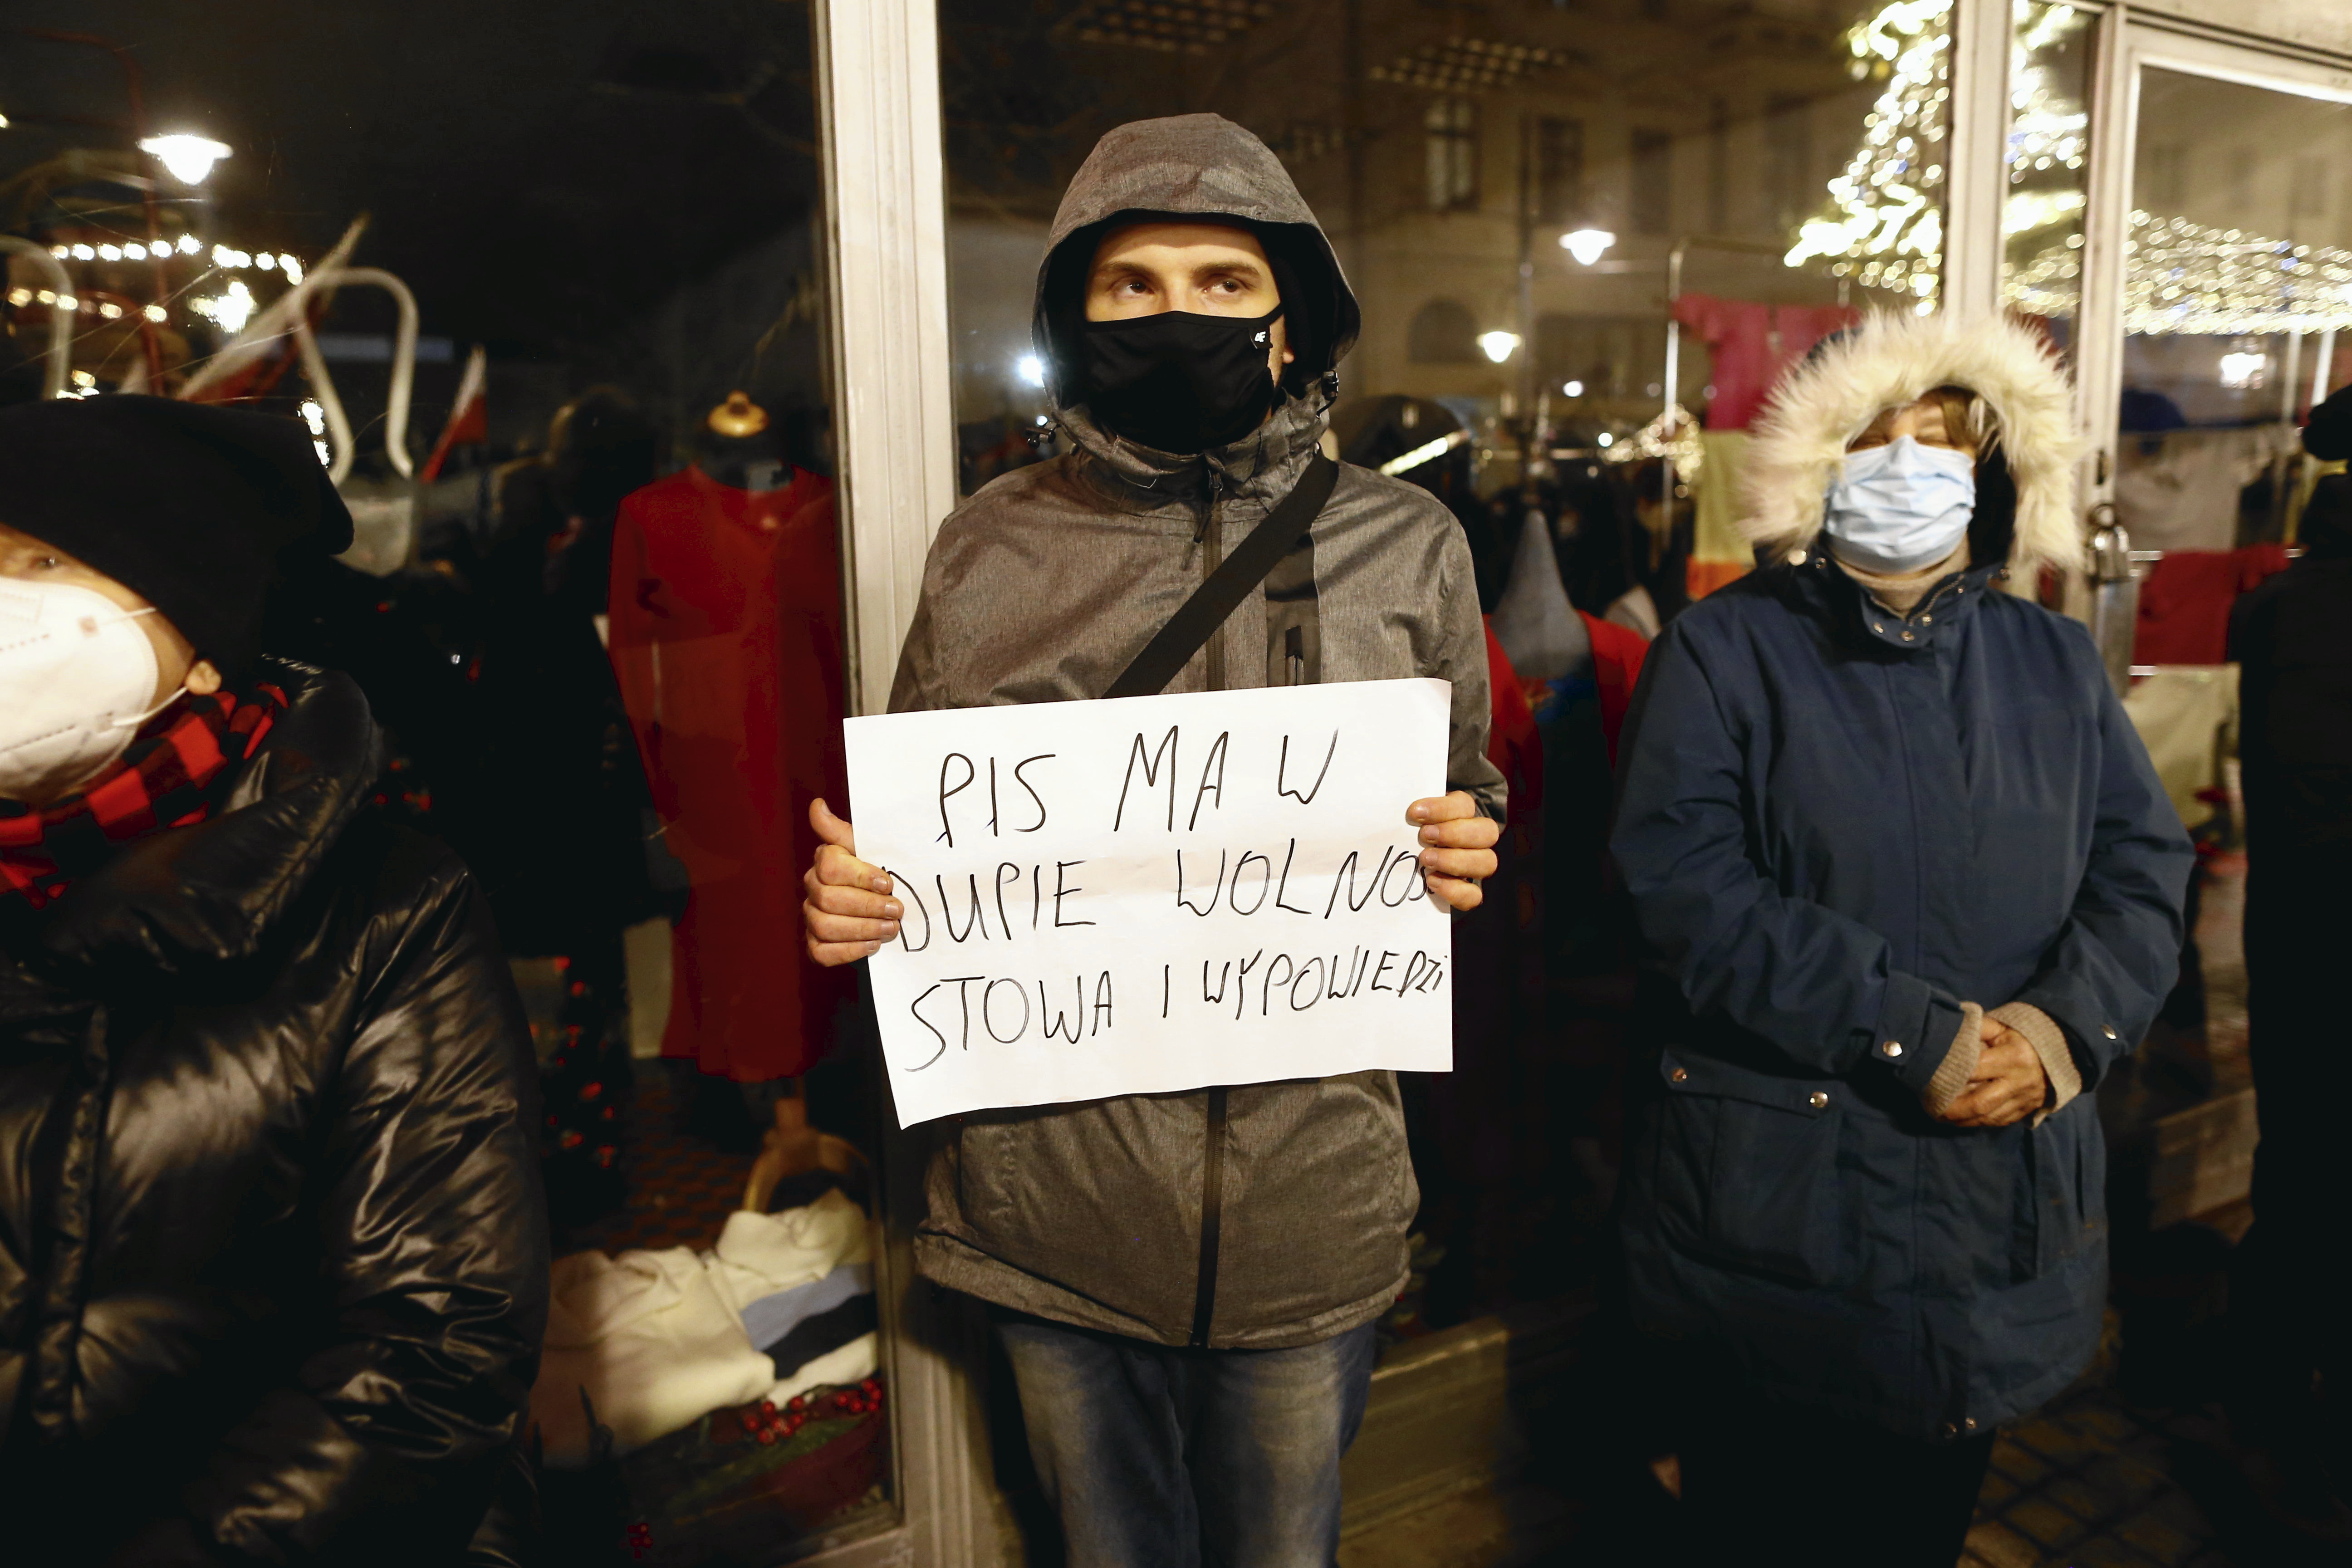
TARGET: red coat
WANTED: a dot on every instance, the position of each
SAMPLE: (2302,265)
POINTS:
(2184,606)
(1617,655)
(726,635)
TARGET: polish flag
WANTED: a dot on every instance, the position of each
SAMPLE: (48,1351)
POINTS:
(469,418)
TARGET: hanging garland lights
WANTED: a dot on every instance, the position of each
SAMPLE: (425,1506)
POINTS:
(2048,126)
(2048,143)
(1885,228)
(229,310)
(1672,433)
(2184,277)
(2189,278)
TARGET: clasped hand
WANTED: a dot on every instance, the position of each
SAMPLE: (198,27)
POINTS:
(2008,1086)
(847,911)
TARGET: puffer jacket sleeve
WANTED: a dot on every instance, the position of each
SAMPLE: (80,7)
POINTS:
(432,1246)
(1820,985)
(1462,659)
(2119,952)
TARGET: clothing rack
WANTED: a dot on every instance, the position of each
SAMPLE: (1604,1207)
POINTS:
(57,376)
(404,370)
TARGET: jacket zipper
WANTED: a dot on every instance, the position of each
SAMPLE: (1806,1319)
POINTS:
(1213,1158)
(1212,1204)
(1212,534)
(65,1269)
(1918,612)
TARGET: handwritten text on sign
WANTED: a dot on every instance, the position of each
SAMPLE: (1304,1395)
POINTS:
(1155,893)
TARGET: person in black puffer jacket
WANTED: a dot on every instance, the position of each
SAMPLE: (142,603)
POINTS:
(273,1265)
(2290,639)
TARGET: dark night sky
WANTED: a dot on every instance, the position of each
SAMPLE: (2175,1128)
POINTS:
(535,171)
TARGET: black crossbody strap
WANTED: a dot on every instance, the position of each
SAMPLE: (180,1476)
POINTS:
(1236,576)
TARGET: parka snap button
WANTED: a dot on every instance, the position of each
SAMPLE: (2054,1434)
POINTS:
(1951,1430)
(1817,1099)
(1906,636)
(2109,1033)
(1877,627)
(1894,1047)
(1970,1424)
(1924,620)
(1680,1075)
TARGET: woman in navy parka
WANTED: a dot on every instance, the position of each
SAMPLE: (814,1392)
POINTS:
(1890,832)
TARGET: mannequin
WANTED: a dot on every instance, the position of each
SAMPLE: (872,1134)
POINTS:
(726,635)
(740,445)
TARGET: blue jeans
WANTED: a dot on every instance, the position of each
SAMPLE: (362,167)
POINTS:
(1159,1456)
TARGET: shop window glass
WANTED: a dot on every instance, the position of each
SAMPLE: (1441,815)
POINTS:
(2047,164)
(2237,282)
(615,374)
(1811,137)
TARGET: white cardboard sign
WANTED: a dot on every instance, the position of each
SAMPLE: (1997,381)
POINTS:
(1155,893)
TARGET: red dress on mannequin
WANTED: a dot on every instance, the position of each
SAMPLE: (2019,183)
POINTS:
(726,635)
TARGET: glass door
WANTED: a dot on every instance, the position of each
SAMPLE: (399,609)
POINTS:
(2221,275)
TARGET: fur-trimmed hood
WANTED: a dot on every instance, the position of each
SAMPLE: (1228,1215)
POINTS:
(1829,399)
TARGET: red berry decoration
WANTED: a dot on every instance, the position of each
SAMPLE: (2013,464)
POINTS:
(768,1435)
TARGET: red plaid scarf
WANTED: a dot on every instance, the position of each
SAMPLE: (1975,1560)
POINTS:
(164,780)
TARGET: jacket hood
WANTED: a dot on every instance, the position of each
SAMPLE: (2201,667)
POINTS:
(1196,165)
(1887,360)
(177,900)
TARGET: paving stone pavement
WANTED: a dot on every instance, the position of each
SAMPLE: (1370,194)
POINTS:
(2093,1482)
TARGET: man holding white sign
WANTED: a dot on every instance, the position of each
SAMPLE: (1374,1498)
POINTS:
(1157,957)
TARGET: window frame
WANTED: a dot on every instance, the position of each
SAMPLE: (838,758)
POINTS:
(1455,144)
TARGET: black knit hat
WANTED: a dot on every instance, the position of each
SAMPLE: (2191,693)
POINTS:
(186,504)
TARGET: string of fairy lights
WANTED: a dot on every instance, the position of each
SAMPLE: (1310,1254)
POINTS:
(1884,225)
(229,310)
(2184,277)
(2049,132)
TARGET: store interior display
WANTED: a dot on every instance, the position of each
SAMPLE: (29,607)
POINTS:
(726,631)
(726,1400)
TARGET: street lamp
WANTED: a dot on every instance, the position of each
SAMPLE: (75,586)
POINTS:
(1586,244)
(190,158)
(1497,346)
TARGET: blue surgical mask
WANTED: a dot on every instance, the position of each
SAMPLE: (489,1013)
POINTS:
(1900,507)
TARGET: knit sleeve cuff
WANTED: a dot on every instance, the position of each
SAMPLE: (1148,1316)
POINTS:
(2048,1042)
(1959,1063)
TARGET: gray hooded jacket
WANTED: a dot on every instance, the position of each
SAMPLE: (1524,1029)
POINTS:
(1260,1215)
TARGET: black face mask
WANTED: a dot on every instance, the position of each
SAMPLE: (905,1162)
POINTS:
(1178,382)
